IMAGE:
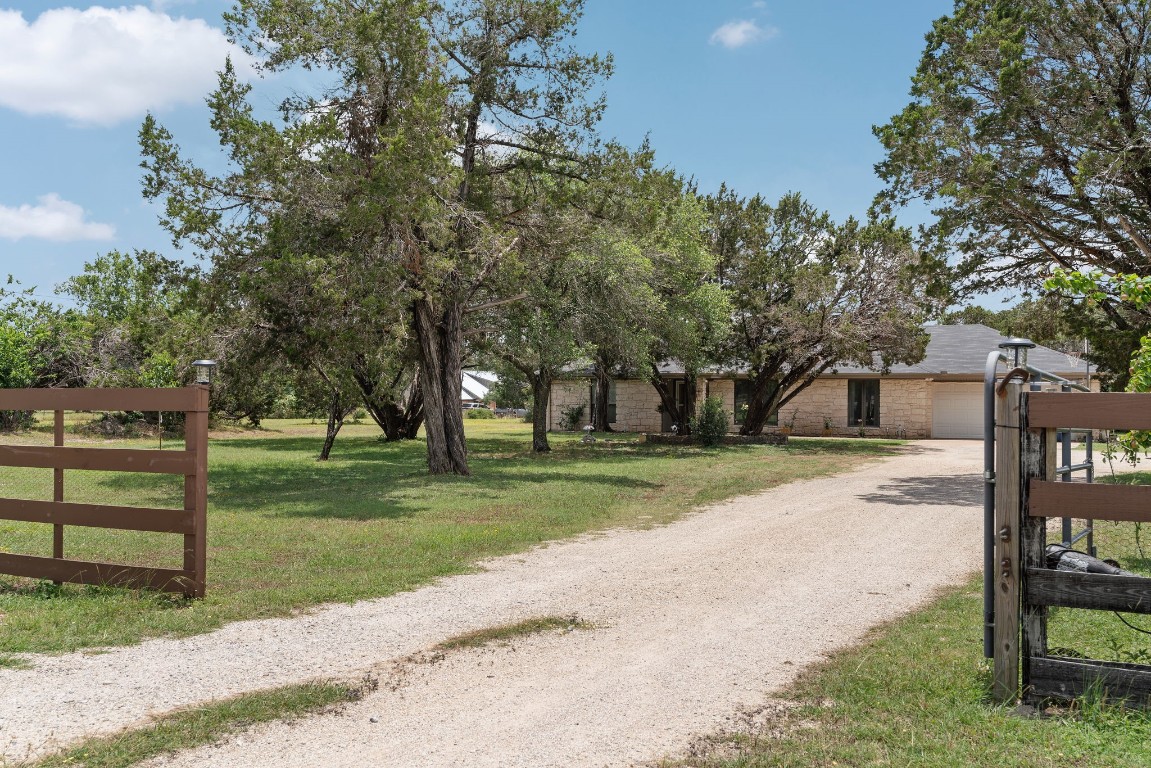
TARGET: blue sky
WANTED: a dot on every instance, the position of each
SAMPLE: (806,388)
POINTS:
(767,95)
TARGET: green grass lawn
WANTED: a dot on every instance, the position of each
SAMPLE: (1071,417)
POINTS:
(287,532)
(916,694)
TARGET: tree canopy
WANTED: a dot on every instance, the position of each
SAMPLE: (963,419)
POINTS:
(1028,129)
(401,163)
(807,293)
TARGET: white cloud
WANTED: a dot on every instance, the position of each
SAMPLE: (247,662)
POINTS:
(52,219)
(103,65)
(736,34)
(164,5)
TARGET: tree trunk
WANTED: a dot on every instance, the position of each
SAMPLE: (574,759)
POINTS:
(398,420)
(690,387)
(764,396)
(440,340)
(337,412)
(412,416)
(665,389)
(599,407)
(541,391)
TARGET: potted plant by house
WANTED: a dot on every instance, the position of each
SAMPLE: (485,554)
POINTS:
(789,423)
(827,424)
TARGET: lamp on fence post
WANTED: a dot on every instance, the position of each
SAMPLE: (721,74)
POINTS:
(204,371)
(1018,347)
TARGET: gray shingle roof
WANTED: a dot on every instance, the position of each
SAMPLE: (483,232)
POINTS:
(962,350)
(952,350)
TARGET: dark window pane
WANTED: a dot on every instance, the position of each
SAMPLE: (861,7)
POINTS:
(863,402)
(742,398)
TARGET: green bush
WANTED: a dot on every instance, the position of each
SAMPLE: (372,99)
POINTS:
(16,421)
(478,413)
(571,417)
(710,424)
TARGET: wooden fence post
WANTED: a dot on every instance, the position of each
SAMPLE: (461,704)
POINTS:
(58,484)
(196,493)
(1007,468)
(1038,463)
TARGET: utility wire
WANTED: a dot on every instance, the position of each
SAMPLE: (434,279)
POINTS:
(1132,626)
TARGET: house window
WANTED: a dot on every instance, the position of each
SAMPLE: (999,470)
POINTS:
(610,400)
(863,402)
(742,398)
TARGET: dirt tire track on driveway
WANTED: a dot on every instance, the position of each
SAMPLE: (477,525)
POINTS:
(697,620)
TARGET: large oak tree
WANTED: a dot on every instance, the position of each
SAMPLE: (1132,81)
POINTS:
(807,294)
(396,159)
(1029,130)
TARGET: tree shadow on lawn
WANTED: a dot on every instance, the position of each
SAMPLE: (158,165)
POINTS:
(357,447)
(412,452)
(940,490)
(367,479)
(348,493)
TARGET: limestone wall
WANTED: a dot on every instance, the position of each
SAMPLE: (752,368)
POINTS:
(904,406)
(566,393)
(636,404)
(904,409)
(724,389)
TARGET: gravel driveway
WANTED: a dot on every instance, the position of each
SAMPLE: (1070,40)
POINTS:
(696,621)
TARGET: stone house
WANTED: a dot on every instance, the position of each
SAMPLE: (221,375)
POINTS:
(940,397)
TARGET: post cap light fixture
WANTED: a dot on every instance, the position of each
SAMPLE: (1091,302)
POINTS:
(204,370)
(1018,347)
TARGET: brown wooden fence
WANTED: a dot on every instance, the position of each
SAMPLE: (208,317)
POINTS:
(192,463)
(1026,495)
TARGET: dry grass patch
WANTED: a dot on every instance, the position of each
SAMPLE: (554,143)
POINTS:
(505,632)
(209,724)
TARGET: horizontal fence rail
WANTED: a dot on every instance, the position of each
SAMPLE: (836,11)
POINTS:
(110,399)
(191,463)
(1095,591)
(98,516)
(1055,677)
(1118,503)
(1089,410)
(101,459)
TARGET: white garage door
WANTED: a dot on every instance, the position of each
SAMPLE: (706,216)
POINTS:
(957,410)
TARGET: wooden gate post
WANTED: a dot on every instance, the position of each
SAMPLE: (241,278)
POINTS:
(1038,463)
(1005,687)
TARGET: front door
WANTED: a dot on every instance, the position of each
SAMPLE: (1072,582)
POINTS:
(678,390)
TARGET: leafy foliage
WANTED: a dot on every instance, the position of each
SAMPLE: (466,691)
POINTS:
(1133,290)
(710,424)
(1029,128)
(392,177)
(807,293)
(479,413)
(571,417)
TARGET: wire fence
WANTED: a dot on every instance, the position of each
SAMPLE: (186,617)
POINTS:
(1104,635)
(104,430)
